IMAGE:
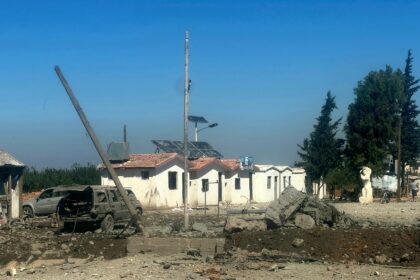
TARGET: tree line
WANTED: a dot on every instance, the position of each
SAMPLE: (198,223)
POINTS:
(35,180)
(383,113)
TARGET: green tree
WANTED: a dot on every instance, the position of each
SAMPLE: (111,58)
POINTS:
(322,151)
(35,180)
(372,120)
(410,130)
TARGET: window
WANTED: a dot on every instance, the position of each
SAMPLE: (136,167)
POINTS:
(172,181)
(113,196)
(204,185)
(237,183)
(290,180)
(101,197)
(284,182)
(268,182)
(46,194)
(145,175)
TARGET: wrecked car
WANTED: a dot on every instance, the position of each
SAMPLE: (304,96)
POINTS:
(46,202)
(98,206)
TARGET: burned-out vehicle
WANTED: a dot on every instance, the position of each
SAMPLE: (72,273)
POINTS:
(96,205)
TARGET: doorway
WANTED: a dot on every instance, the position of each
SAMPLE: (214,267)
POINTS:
(251,197)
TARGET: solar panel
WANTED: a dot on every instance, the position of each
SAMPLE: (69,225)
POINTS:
(195,149)
(197,119)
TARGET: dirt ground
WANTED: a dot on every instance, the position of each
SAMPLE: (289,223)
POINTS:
(384,245)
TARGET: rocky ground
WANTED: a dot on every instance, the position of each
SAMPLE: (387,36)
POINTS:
(384,244)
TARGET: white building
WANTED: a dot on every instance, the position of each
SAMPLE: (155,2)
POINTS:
(155,179)
(238,183)
(207,177)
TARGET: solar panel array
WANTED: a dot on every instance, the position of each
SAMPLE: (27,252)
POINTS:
(195,149)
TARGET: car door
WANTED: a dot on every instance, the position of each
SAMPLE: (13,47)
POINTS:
(42,203)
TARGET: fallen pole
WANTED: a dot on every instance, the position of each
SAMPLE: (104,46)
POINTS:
(99,149)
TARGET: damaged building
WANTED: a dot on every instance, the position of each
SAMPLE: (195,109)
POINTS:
(11,184)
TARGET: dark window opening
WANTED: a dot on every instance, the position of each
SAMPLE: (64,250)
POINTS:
(172,180)
(237,183)
(205,185)
(145,175)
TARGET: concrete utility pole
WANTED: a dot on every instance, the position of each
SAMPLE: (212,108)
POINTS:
(186,107)
(99,149)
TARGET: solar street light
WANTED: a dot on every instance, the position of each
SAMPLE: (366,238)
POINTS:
(199,119)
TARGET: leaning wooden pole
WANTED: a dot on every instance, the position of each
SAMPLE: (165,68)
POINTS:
(99,149)
(186,107)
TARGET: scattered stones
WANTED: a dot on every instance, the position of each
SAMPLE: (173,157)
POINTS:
(381,259)
(193,252)
(298,242)
(405,258)
(166,265)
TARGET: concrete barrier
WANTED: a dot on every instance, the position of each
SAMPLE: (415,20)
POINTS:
(170,246)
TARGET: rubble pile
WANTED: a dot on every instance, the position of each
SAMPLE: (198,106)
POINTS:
(296,209)
(292,209)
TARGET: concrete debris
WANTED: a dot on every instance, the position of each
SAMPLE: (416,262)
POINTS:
(280,210)
(245,222)
(304,221)
(201,227)
(294,208)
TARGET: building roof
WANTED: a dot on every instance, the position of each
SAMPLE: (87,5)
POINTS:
(7,160)
(298,170)
(283,168)
(146,160)
(231,164)
(199,164)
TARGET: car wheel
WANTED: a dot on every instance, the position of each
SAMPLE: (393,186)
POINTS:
(107,224)
(27,211)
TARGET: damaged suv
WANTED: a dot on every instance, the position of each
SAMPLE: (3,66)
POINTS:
(96,205)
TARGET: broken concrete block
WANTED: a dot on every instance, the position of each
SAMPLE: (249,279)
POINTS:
(304,221)
(249,223)
(280,210)
(201,227)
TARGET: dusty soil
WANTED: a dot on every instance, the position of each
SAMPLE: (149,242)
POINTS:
(389,214)
(150,266)
(391,230)
(23,243)
(356,245)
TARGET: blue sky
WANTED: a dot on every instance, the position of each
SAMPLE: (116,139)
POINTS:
(261,69)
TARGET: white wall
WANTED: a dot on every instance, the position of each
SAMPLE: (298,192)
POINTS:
(238,196)
(261,191)
(197,196)
(298,181)
(154,192)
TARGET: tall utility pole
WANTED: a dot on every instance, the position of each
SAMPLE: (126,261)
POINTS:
(186,106)
(99,149)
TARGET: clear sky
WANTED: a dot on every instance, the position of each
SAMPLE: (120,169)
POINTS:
(261,69)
